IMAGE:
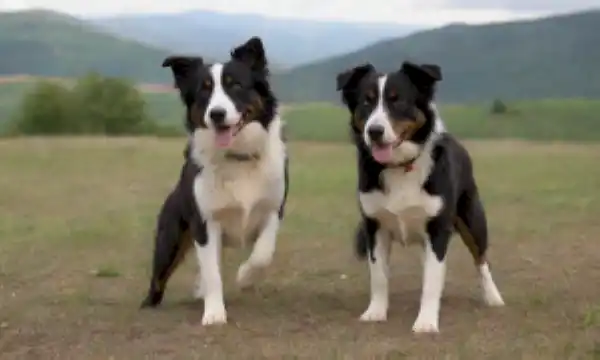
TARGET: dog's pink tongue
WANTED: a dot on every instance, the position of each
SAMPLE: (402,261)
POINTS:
(224,138)
(382,154)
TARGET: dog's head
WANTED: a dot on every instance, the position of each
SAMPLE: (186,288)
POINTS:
(391,113)
(224,98)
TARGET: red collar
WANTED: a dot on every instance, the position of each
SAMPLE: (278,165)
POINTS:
(408,166)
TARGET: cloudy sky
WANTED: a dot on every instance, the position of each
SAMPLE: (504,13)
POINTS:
(402,11)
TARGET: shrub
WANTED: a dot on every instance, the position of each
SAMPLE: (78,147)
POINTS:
(110,105)
(94,105)
(499,107)
(47,109)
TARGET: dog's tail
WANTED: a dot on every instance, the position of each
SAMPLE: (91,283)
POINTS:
(361,241)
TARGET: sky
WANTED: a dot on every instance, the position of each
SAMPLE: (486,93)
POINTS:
(431,12)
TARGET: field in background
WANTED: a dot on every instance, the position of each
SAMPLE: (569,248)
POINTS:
(76,222)
(162,101)
(566,120)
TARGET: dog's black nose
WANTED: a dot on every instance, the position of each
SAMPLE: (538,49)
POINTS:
(375,132)
(217,115)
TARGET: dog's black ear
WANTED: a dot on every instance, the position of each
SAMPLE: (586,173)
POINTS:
(433,70)
(252,52)
(423,76)
(348,81)
(183,67)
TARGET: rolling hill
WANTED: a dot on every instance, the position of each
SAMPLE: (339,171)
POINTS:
(289,42)
(46,43)
(552,57)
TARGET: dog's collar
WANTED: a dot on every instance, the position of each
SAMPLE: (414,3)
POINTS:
(236,156)
(408,165)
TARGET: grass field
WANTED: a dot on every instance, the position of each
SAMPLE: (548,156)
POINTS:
(543,120)
(561,119)
(76,221)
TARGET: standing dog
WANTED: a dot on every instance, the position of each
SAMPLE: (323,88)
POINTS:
(415,184)
(233,185)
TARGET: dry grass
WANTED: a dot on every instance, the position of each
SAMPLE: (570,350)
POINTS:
(76,221)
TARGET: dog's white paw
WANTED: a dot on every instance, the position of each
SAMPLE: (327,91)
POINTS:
(374,313)
(245,276)
(493,298)
(426,324)
(491,294)
(248,274)
(214,314)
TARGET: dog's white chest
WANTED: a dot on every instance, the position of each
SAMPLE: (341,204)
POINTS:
(404,207)
(237,186)
(239,197)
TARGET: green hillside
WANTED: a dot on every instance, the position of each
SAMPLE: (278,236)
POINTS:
(50,44)
(553,57)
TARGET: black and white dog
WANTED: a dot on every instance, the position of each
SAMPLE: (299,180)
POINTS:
(415,184)
(234,183)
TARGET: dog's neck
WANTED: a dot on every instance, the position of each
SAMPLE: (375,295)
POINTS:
(252,144)
(241,156)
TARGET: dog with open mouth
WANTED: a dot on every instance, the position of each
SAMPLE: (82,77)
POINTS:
(415,184)
(234,182)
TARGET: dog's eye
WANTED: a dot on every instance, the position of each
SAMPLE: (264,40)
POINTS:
(206,85)
(393,97)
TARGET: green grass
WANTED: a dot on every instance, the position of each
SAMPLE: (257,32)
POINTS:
(562,120)
(73,269)
(543,120)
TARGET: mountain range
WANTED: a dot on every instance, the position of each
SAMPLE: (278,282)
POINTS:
(555,56)
(45,43)
(552,57)
(290,42)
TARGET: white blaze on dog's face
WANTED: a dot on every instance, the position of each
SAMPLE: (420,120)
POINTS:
(228,99)
(222,114)
(391,113)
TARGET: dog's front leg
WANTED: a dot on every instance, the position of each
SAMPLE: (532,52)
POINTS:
(434,273)
(379,257)
(262,252)
(435,245)
(208,257)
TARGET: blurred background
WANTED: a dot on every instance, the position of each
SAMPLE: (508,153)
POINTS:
(524,69)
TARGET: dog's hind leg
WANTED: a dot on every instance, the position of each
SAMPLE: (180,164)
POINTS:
(172,242)
(262,252)
(470,222)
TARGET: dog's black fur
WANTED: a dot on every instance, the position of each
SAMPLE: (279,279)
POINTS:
(415,184)
(451,176)
(452,179)
(179,222)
